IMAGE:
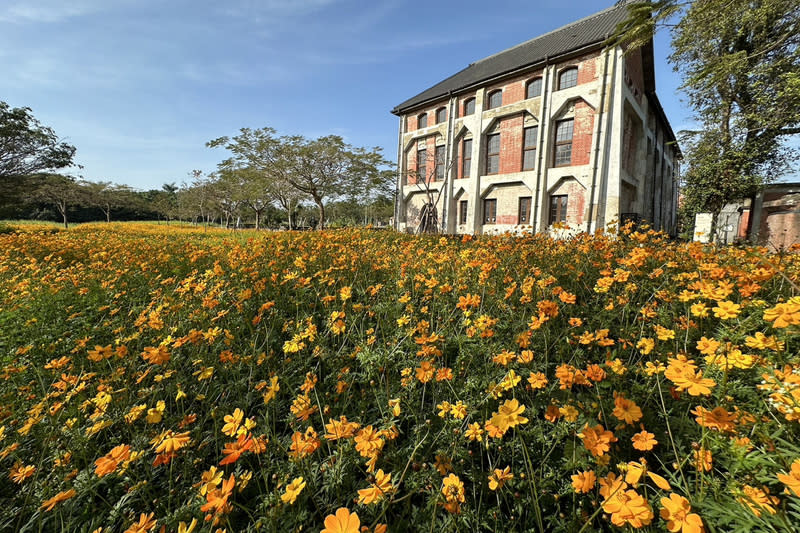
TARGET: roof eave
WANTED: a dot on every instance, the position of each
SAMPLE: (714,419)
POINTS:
(654,101)
(599,44)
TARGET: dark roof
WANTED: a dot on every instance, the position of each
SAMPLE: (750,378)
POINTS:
(593,29)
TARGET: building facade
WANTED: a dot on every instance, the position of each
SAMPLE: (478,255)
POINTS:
(560,130)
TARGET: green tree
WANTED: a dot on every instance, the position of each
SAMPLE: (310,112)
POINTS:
(321,169)
(59,191)
(740,66)
(107,196)
(28,147)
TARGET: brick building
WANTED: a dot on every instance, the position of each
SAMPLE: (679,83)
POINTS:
(559,129)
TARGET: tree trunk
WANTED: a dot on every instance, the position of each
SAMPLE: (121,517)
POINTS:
(289,212)
(321,208)
(258,219)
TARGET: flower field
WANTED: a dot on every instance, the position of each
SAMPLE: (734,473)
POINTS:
(168,379)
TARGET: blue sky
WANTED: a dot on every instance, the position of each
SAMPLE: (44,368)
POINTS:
(139,86)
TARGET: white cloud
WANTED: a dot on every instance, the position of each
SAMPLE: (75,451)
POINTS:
(48,11)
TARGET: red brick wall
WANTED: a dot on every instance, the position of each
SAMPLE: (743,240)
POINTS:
(411,118)
(411,161)
(460,103)
(582,133)
(634,73)
(587,67)
(513,88)
(780,229)
(744,221)
(511,144)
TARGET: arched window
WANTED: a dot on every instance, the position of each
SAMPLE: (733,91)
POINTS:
(469,106)
(568,78)
(422,121)
(495,99)
(441,115)
(534,88)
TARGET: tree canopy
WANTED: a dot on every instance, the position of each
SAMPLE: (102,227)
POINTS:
(286,169)
(28,147)
(740,67)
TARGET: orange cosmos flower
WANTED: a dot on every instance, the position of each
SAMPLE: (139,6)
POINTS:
(508,416)
(217,499)
(378,490)
(234,450)
(726,310)
(342,522)
(792,479)
(341,429)
(595,373)
(48,505)
(368,442)
(302,407)
(467,301)
(145,523)
(304,444)
(425,371)
(626,410)
(708,346)
(703,460)
(100,352)
(552,413)
(504,357)
(499,478)
(644,441)
(453,491)
(20,472)
(783,315)
(109,462)
(583,482)
(156,356)
(628,507)
(597,439)
(169,442)
(444,374)
(675,510)
(537,380)
(718,418)
(758,500)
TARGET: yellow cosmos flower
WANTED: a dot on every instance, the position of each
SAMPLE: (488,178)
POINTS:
(293,489)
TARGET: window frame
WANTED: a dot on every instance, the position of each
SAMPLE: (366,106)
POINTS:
(529,149)
(441,110)
(538,81)
(422,117)
(492,95)
(524,216)
(422,164)
(462,212)
(559,144)
(439,162)
(492,156)
(466,158)
(558,209)
(468,102)
(565,72)
(486,203)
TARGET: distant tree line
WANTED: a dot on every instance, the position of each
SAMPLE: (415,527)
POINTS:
(206,200)
(268,181)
